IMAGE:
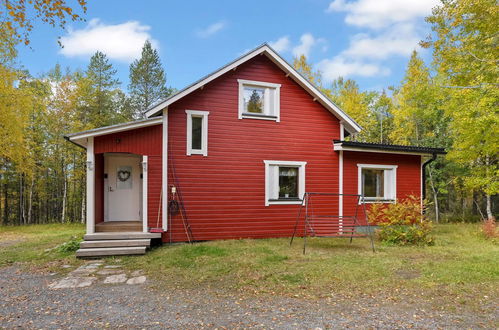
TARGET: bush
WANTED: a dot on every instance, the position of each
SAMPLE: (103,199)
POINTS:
(70,246)
(489,228)
(401,223)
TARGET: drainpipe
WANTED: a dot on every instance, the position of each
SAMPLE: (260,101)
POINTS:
(423,176)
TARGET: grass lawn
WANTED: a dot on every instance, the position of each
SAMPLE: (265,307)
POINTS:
(34,245)
(461,268)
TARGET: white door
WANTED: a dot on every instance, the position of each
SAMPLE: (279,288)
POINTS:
(123,186)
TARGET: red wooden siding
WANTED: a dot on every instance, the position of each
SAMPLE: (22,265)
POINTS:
(408,174)
(142,141)
(224,193)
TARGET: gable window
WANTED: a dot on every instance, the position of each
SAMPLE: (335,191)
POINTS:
(377,183)
(197,132)
(259,100)
(284,182)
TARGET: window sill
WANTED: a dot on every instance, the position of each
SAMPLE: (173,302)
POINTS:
(285,201)
(247,115)
(377,201)
(198,152)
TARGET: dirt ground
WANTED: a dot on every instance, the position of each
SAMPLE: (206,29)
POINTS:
(30,300)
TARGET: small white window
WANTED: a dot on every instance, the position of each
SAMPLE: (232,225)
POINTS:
(377,183)
(284,182)
(197,132)
(259,100)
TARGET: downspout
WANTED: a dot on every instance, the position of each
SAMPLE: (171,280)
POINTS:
(423,175)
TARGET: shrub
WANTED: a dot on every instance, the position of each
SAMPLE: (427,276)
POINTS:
(489,228)
(70,246)
(401,223)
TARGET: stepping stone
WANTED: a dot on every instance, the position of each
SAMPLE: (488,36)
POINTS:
(112,266)
(136,280)
(137,273)
(113,279)
(82,271)
(66,266)
(73,282)
(108,271)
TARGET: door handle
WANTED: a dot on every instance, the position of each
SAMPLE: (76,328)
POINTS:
(111,189)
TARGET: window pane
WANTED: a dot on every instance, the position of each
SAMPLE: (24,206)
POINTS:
(253,99)
(197,123)
(373,183)
(288,182)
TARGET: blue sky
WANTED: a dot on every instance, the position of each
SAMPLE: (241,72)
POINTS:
(366,40)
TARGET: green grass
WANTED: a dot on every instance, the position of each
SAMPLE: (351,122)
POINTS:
(36,245)
(461,266)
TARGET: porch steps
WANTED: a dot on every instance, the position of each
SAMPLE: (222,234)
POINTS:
(116,244)
(111,251)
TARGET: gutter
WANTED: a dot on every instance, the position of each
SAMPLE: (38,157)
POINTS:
(423,174)
(76,144)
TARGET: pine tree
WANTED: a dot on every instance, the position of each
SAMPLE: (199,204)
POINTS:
(99,88)
(147,80)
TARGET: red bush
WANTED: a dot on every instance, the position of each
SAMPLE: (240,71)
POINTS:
(489,228)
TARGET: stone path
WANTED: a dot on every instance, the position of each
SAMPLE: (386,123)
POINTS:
(95,271)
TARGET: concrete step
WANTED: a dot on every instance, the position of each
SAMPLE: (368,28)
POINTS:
(120,236)
(116,251)
(115,243)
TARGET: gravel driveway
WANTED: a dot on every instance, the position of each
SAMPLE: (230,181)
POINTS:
(27,301)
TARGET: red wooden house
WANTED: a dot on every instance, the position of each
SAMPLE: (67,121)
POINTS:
(242,145)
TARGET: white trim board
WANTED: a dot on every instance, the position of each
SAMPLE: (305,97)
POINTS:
(266,50)
(269,178)
(272,103)
(390,183)
(204,132)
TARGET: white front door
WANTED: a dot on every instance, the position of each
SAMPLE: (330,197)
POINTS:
(122,188)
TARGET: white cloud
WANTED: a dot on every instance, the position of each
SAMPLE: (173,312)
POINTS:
(382,13)
(211,29)
(391,28)
(399,40)
(122,42)
(339,66)
(307,41)
(281,45)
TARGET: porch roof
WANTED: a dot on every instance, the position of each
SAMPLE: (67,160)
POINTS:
(386,148)
(80,138)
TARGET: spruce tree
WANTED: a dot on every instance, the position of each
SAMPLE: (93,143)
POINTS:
(101,88)
(147,80)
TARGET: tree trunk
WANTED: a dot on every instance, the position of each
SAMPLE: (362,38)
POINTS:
(435,197)
(22,219)
(64,197)
(83,204)
(30,201)
(489,206)
(6,205)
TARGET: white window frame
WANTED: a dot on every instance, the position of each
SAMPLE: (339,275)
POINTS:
(204,134)
(272,181)
(271,90)
(390,183)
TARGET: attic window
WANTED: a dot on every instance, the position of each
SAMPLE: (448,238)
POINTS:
(259,100)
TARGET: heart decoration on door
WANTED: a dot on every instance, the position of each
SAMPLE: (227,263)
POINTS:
(123,175)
